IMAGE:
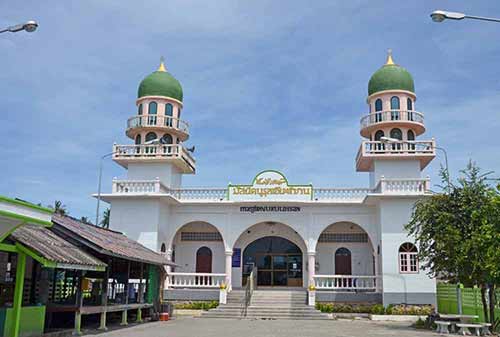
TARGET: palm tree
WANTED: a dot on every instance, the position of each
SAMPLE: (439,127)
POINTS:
(59,208)
(105,218)
(85,220)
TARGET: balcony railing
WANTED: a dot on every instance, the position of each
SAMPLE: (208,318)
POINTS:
(138,186)
(157,151)
(403,186)
(158,121)
(195,280)
(341,194)
(427,147)
(346,282)
(392,116)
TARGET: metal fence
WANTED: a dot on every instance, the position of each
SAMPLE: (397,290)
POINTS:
(451,298)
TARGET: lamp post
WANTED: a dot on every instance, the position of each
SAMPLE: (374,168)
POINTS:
(440,16)
(389,140)
(150,142)
(29,26)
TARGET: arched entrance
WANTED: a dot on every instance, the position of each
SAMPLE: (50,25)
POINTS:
(204,260)
(278,261)
(343,262)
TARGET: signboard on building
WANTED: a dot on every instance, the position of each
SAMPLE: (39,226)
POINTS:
(236,261)
(270,186)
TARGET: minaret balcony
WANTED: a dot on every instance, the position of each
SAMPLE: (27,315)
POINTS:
(392,118)
(423,151)
(157,153)
(157,123)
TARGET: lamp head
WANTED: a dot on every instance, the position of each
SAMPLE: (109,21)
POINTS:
(30,26)
(389,140)
(440,16)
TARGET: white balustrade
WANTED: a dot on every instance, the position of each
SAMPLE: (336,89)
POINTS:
(153,151)
(195,280)
(346,282)
(138,186)
(209,194)
(403,186)
(392,116)
(341,194)
(157,121)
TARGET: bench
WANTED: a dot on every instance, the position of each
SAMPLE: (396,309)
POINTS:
(485,330)
(442,327)
(464,329)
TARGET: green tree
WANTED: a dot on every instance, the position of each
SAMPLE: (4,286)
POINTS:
(458,233)
(59,208)
(86,220)
(105,218)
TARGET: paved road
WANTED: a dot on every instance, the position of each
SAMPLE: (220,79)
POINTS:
(204,327)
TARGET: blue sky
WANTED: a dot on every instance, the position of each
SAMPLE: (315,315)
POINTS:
(267,84)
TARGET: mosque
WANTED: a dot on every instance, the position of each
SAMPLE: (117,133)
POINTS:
(348,243)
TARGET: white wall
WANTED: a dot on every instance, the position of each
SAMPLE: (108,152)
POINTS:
(137,218)
(394,214)
(168,173)
(397,169)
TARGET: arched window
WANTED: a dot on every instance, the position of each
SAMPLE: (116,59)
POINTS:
(169,112)
(408,258)
(153,108)
(151,136)
(379,134)
(395,108)
(166,139)
(138,140)
(163,248)
(411,135)
(378,108)
(179,112)
(397,134)
(409,104)
(139,109)
(409,107)
(379,146)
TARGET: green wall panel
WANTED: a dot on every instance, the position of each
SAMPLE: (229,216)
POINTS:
(32,321)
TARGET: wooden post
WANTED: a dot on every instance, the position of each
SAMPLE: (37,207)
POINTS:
(18,293)
(104,296)
(124,312)
(140,298)
(79,304)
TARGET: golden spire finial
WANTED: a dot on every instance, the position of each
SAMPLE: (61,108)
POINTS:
(162,65)
(389,61)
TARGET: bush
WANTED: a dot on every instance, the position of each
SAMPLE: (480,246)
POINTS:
(378,309)
(205,305)
(347,308)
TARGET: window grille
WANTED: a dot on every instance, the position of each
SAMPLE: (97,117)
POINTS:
(201,236)
(343,237)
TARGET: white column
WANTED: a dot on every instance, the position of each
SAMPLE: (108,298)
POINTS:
(229,260)
(168,269)
(311,267)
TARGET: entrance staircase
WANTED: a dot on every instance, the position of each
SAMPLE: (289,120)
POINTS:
(267,304)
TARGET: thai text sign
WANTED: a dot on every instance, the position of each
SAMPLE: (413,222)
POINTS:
(268,186)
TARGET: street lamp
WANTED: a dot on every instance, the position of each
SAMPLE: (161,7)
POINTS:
(29,26)
(440,16)
(150,142)
(389,140)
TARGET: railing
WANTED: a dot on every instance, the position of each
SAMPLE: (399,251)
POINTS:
(346,282)
(153,151)
(392,116)
(138,186)
(249,288)
(157,120)
(195,280)
(400,148)
(403,186)
(340,194)
(209,194)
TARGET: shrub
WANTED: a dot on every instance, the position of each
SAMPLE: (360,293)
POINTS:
(378,309)
(203,305)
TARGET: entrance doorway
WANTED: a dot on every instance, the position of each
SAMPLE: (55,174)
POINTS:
(343,265)
(204,260)
(278,262)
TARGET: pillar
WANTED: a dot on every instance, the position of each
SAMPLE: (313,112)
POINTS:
(168,269)
(104,296)
(18,293)
(311,267)
(124,312)
(140,295)
(229,269)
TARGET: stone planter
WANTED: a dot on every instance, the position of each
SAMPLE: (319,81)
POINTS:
(223,296)
(397,318)
(311,298)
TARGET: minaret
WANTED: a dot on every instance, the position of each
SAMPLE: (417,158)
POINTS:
(158,133)
(391,127)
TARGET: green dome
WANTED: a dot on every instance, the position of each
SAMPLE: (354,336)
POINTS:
(390,77)
(160,83)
